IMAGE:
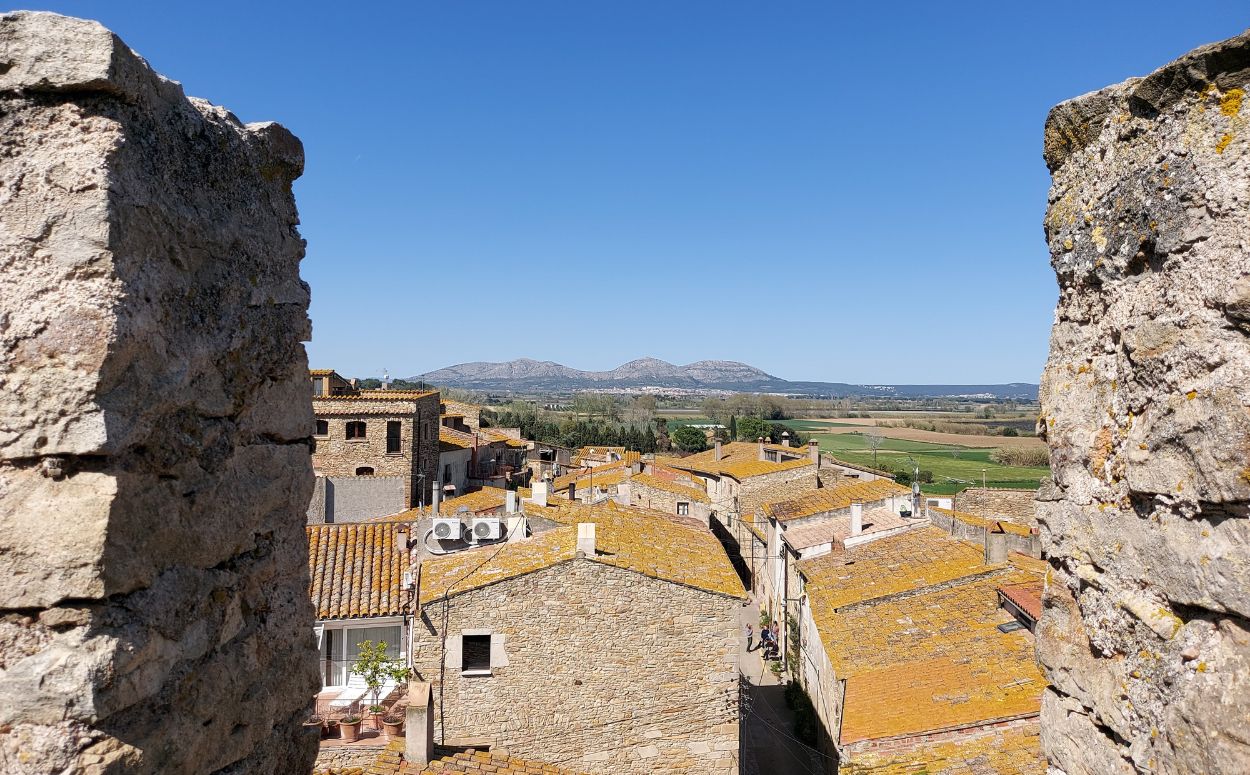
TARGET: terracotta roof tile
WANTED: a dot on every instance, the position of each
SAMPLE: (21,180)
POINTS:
(739,460)
(1026,596)
(1009,751)
(356,570)
(833,499)
(697,494)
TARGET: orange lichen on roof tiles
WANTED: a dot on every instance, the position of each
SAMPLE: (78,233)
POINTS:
(950,622)
(451,439)
(652,543)
(320,372)
(356,570)
(739,460)
(685,490)
(475,568)
(499,436)
(887,566)
(988,684)
(380,395)
(1013,750)
(833,499)
(563,482)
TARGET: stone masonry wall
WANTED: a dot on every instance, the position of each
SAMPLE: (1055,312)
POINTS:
(607,671)
(154,421)
(768,488)
(1017,506)
(1145,633)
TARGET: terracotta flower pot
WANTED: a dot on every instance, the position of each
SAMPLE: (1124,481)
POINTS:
(377,720)
(349,730)
(393,728)
(332,728)
(314,725)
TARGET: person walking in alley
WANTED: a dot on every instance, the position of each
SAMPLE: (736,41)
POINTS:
(766,641)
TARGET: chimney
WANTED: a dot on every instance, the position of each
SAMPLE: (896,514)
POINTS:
(539,498)
(572,492)
(586,539)
(813,451)
(434,494)
(419,724)
(785,438)
(352,381)
(761,443)
(718,453)
(995,545)
(517,527)
(510,501)
(857,517)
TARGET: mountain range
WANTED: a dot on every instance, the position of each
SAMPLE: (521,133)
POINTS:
(526,376)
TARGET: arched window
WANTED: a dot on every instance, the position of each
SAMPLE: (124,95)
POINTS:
(356,429)
(364,471)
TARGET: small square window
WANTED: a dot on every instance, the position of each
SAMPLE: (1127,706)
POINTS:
(475,654)
(683,509)
(355,430)
(323,428)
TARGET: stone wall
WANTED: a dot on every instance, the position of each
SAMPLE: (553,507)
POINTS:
(755,491)
(1017,506)
(356,498)
(154,421)
(1144,633)
(597,669)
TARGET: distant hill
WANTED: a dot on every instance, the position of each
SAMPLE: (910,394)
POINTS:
(528,376)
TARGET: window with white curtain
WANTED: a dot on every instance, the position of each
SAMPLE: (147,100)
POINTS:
(339,649)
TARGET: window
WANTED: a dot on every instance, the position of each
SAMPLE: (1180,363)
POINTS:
(339,649)
(475,654)
(446,474)
(392,437)
(683,509)
(355,429)
(323,428)
(364,471)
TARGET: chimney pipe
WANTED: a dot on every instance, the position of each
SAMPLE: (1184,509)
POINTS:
(813,451)
(586,539)
(995,545)
(510,501)
(785,438)
(761,443)
(434,496)
(572,492)
(717,454)
(857,517)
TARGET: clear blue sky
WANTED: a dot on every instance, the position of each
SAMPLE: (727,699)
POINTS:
(826,191)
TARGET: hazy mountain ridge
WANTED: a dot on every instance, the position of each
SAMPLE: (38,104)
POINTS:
(525,374)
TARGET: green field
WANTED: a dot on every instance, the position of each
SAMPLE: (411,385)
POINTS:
(953,467)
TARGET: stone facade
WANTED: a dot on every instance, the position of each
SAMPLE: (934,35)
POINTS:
(154,421)
(1145,633)
(1017,506)
(415,457)
(356,498)
(594,668)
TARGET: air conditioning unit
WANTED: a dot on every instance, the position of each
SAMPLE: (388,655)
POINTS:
(487,529)
(447,528)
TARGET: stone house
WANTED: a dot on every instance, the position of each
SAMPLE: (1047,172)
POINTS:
(669,490)
(819,522)
(607,643)
(918,654)
(590,457)
(376,433)
(479,458)
(357,575)
(593,483)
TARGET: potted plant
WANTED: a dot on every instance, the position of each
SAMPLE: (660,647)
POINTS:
(332,727)
(349,727)
(374,667)
(313,724)
(394,725)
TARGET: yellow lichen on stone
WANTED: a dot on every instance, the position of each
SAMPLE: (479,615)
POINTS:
(1223,143)
(1068,244)
(1230,103)
(1191,395)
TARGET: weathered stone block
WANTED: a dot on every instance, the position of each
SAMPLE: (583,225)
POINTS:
(154,415)
(1144,405)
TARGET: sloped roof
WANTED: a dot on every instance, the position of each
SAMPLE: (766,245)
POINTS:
(989,524)
(739,460)
(644,541)
(356,569)
(686,491)
(1014,750)
(833,499)
(899,563)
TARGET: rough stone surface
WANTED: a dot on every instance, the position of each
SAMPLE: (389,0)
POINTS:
(1145,635)
(154,421)
(1013,505)
(594,668)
